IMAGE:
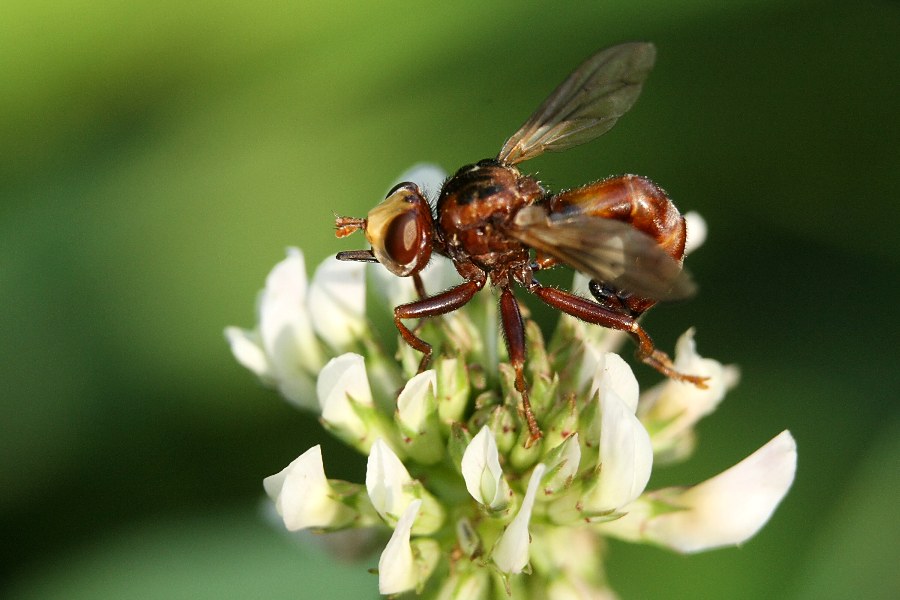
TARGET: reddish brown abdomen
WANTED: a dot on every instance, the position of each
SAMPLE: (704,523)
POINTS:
(632,199)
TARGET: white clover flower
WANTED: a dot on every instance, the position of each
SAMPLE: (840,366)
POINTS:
(512,551)
(612,373)
(391,490)
(482,473)
(388,482)
(396,567)
(731,507)
(406,563)
(337,298)
(626,456)
(288,347)
(417,418)
(303,497)
(726,510)
(344,393)
(469,509)
(696,231)
(672,408)
(415,403)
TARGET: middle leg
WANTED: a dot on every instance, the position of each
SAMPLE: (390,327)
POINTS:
(514,332)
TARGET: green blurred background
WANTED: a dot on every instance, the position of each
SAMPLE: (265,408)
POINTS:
(157,158)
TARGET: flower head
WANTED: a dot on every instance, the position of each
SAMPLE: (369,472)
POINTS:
(288,347)
(466,506)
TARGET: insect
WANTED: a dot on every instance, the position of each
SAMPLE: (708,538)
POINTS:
(499,225)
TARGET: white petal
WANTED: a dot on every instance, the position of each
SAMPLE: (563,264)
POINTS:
(626,456)
(344,377)
(284,324)
(302,494)
(696,231)
(300,390)
(687,360)
(615,374)
(581,284)
(481,470)
(386,478)
(590,363)
(731,507)
(511,551)
(677,405)
(337,302)
(413,407)
(396,567)
(247,349)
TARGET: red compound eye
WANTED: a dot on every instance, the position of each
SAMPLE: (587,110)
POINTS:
(399,230)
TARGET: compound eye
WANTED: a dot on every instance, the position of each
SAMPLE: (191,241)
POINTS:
(402,237)
(399,230)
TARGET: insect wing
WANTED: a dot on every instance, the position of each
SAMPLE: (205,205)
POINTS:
(606,250)
(586,105)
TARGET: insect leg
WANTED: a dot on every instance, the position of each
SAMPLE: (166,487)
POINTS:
(514,331)
(591,312)
(607,296)
(357,256)
(438,304)
(422,294)
(420,287)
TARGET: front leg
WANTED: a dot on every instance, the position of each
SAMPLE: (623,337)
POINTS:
(439,304)
(419,285)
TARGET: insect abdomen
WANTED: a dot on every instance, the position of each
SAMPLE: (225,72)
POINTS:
(632,199)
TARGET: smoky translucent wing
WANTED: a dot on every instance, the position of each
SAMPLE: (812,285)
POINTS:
(587,104)
(606,250)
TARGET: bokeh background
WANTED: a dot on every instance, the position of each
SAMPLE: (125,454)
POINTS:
(157,158)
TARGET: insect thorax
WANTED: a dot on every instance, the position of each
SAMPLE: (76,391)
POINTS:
(475,207)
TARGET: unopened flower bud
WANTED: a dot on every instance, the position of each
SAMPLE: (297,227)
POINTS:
(626,457)
(304,498)
(391,490)
(397,571)
(417,419)
(482,473)
(346,402)
(510,554)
